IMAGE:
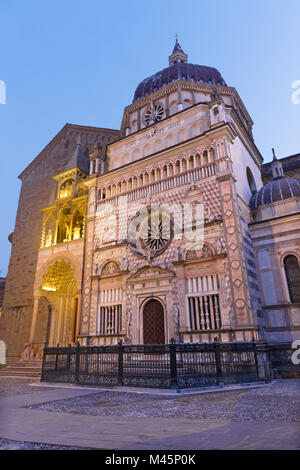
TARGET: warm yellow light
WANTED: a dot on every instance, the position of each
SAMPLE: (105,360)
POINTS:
(48,288)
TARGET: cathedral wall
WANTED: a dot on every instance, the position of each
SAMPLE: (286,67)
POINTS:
(273,240)
(38,191)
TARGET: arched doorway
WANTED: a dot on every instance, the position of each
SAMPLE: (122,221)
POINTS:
(59,288)
(153,323)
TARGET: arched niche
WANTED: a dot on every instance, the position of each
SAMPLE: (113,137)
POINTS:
(292,273)
(251,180)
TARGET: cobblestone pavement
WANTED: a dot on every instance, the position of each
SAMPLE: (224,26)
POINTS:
(279,401)
(6,444)
(68,418)
(10,387)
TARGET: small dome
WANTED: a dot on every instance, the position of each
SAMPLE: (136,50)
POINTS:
(178,71)
(276,190)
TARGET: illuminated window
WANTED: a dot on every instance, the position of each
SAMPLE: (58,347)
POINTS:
(66,189)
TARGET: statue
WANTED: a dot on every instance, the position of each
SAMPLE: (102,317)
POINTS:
(77,231)
(219,246)
(126,263)
(33,352)
(149,255)
(67,231)
(25,353)
(30,352)
(149,200)
(178,253)
(206,251)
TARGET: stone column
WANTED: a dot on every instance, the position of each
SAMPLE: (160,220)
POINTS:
(77,332)
(193,97)
(97,166)
(60,320)
(167,105)
(180,105)
(56,232)
(36,299)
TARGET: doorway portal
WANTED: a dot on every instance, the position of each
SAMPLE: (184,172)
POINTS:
(153,321)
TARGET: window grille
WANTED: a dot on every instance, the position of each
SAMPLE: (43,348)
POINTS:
(109,316)
(203,303)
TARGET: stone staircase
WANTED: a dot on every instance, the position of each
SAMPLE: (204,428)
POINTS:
(25,369)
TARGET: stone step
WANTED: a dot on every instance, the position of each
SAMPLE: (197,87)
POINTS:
(21,368)
(21,371)
(25,366)
(20,374)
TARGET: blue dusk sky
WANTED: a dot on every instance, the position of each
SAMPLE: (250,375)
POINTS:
(80,62)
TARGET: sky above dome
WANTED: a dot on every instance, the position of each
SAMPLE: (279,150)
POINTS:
(80,62)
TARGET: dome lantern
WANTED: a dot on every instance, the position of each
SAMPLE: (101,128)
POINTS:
(276,167)
(177,55)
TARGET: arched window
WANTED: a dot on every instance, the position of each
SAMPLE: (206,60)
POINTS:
(66,189)
(251,181)
(211,155)
(191,162)
(186,103)
(292,272)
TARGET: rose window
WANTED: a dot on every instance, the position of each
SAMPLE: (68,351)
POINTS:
(150,232)
(153,114)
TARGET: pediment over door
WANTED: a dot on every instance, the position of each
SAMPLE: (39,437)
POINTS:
(149,273)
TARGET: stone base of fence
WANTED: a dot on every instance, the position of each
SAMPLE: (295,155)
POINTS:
(265,369)
(282,364)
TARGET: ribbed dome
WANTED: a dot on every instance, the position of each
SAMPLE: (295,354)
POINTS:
(276,190)
(178,71)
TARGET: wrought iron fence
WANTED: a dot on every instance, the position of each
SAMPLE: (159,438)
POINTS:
(161,366)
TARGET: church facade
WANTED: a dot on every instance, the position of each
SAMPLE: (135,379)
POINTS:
(170,227)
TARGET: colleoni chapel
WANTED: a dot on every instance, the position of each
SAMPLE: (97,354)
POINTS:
(103,250)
